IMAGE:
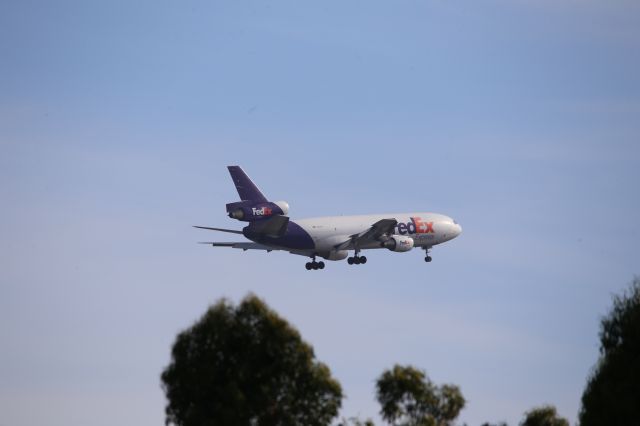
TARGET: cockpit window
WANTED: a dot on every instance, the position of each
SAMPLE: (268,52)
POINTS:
(454,222)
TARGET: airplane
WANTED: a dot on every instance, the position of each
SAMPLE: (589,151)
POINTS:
(330,237)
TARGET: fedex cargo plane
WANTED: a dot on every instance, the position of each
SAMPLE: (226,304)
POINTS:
(330,237)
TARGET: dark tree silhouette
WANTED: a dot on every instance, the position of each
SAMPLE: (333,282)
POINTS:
(355,421)
(408,397)
(612,394)
(543,416)
(245,365)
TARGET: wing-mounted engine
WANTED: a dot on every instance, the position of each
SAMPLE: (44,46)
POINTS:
(398,243)
(250,211)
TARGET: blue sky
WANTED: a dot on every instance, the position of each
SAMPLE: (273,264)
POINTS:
(520,119)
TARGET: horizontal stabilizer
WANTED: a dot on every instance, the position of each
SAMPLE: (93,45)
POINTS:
(231,231)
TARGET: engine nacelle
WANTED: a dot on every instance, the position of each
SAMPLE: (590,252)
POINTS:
(335,255)
(249,211)
(399,243)
(284,206)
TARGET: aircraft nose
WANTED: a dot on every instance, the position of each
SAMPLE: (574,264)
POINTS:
(457,229)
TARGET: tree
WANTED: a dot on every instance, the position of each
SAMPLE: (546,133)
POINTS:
(612,394)
(355,421)
(545,415)
(408,397)
(246,365)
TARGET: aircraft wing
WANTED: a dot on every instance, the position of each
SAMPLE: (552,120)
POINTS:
(255,246)
(243,245)
(377,232)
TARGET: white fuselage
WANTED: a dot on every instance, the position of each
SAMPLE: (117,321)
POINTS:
(426,229)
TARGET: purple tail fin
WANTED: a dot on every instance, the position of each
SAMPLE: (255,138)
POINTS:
(245,186)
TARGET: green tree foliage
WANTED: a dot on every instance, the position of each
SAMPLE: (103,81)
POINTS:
(355,421)
(245,365)
(543,416)
(612,394)
(408,397)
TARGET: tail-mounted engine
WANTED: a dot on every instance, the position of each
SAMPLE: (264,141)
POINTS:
(250,211)
(398,243)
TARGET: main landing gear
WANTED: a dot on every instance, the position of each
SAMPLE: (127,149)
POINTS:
(357,260)
(427,257)
(314,265)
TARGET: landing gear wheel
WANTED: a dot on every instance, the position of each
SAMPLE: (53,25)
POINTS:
(426,252)
(357,260)
(321,265)
(308,266)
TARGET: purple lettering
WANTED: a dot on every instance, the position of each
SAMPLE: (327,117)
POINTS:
(411,227)
(402,228)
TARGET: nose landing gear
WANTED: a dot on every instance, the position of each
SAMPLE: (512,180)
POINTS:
(427,257)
